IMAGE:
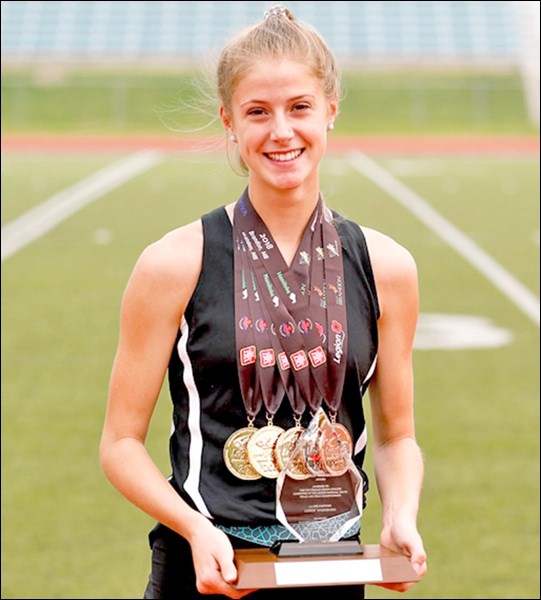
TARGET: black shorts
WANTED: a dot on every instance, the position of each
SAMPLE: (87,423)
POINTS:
(173,576)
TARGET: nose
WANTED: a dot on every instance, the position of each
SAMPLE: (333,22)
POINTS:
(281,129)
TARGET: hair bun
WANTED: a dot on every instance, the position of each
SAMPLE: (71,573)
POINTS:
(277,11)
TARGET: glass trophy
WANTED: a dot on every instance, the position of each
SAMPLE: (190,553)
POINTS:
(319,491)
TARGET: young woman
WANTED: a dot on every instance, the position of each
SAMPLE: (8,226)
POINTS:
(260,313)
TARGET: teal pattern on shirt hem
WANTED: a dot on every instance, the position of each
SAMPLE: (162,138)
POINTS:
(268,535)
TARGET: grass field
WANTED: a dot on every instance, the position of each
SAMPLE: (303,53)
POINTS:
(66,533)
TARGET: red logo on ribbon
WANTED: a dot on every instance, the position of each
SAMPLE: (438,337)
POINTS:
(299,360)
(266,357)
(248,355)
(317,356)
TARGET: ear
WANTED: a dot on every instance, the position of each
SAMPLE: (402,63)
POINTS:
(333,108)
(225,118)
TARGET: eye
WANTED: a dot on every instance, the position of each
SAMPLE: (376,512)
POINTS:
(301,106)
(256,112)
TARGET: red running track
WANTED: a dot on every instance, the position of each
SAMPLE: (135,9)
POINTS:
(469,145)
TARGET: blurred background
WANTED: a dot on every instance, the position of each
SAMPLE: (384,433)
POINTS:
(115,57)
(110,139)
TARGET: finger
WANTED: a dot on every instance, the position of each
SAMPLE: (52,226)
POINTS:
(229,573)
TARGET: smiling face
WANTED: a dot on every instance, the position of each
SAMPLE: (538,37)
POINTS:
(279,115)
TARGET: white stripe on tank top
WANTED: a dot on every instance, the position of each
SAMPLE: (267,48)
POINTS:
(363,438)
(191,485)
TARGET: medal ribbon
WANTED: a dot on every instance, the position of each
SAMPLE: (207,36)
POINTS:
(291,322)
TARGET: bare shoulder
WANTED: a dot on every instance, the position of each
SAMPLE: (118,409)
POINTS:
(391,262)
(183,245)
(172,264)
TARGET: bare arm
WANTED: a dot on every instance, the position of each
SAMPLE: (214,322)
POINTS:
(398,461)
(156,295)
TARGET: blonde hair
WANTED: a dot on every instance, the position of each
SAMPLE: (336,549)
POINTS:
(278,35)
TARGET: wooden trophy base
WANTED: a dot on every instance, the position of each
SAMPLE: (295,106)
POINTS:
(261,568)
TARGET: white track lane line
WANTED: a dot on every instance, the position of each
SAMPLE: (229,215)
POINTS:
(36,222)
(521,296)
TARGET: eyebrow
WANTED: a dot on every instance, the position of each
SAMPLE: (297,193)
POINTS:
(294,99)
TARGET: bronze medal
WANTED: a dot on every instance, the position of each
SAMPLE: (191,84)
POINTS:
(343,433)
(283,450)
(236,454)
(335,445)
(260,448)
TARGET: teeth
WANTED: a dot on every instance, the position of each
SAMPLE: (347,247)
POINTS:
(283,157)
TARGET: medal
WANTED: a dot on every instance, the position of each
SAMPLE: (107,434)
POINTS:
(335,445)
(283,451)
(236,454)
(260,449)
(343,433)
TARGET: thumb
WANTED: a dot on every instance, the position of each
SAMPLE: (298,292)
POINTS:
(419,564)
(229,571)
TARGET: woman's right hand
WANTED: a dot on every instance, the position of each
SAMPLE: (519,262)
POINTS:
(214,562)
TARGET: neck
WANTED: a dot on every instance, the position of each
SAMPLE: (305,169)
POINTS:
(286,214)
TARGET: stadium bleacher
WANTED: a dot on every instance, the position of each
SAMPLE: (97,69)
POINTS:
(157,30)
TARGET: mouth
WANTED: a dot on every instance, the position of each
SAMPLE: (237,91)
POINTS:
(284,157)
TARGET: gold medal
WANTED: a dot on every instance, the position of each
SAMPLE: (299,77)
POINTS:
(283,450)
(260,448)
(236,454)
(335,445)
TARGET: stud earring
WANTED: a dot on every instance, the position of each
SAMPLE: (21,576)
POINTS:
(330,126)
(233,138)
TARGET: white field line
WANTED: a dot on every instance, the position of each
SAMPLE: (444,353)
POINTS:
(474,254)
(47,215)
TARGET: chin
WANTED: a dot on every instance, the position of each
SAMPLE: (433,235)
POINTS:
(288,185)
(289,180)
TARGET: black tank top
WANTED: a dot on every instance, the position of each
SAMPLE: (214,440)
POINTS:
(204,384)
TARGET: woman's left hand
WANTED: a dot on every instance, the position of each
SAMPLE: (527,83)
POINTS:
(406,540)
